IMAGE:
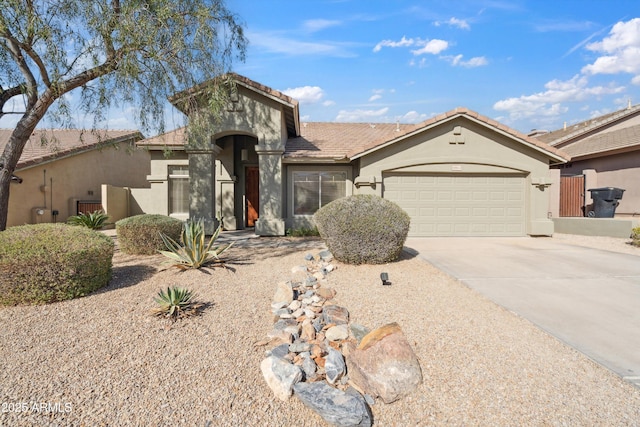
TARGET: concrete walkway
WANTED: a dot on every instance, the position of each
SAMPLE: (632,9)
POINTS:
(588,298)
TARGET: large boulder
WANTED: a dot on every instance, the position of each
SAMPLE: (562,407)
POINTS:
(339,408)
(384,364)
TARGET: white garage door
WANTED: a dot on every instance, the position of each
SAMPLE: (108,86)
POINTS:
(459,205)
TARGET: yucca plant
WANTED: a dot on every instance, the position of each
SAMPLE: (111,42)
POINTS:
(175,303)
(94,220)
(195,252)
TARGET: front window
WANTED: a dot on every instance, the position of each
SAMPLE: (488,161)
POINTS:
(313,190)
(179,190)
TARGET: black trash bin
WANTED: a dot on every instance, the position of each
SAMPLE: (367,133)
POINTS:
(605,201)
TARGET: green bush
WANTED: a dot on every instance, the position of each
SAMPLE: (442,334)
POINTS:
(93,220)
(635,236)
(303,232)
(363,229)
(52,262)
(141,234)
(194,252)
(176,303)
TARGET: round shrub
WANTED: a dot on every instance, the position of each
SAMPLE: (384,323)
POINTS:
(363,229)
(635,236)
(52,262)
(140,234)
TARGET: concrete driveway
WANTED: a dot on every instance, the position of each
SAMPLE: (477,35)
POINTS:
(588,298)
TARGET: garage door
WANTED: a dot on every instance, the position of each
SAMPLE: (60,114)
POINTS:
(459,205)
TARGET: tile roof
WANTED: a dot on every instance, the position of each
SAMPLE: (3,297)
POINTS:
(174,139)
(458,112)
(333,141)
(577,130)
(620,139)
(49,144)
(324,140)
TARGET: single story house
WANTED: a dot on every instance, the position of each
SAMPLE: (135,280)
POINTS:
(457,174)
(605,152)
(61,172)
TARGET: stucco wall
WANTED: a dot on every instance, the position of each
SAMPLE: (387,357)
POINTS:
(76,177)
(154,196)
(621,171)
(476,149)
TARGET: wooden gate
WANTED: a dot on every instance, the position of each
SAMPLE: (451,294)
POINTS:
(572,195)
(88,206)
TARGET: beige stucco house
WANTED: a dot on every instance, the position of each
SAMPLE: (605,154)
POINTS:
(457,174)
(605,150)
(61,172)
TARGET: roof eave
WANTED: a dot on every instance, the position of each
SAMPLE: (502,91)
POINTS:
(309,159)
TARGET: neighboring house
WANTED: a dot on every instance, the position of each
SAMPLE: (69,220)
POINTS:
(62,172)
(457,174)
(605,152)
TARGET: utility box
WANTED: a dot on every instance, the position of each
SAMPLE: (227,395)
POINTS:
(40,215)
(605,201)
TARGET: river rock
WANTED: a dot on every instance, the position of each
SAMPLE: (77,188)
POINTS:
(358,331)
(342,409)
(384,364)
(284,293)
(280,376)
(309,367)
(337,333)
(308,331)
(334,366)
(335,314)
(326,293)
(326,256)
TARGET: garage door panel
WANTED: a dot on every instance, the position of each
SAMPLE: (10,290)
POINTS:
(460,205)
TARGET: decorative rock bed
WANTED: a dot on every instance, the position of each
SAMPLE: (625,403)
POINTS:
(335,367)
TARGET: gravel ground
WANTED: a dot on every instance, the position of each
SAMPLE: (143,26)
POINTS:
(103,360)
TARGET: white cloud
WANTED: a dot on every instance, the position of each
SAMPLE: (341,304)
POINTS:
(421,64)
(328,103)
(413,117)
(454,22)
(434,47)
(549,102)
(275,43)
(305,94)
(313,25)
(404,42)
(620,49)
(377,94)
(477,61)
(636,80)
(358,115)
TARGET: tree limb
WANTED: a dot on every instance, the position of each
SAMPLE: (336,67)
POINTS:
(7,94)
(31,86)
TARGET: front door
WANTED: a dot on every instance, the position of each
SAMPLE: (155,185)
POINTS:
(251,186)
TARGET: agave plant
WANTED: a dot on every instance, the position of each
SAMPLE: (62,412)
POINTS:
(175,303)
(195,252)
(94,220)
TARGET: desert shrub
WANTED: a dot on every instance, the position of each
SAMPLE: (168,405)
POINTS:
(194,252)
(52,262)
(303,232)
(363,229)
(93,220)
(176,303)
(635,236)
(141,234)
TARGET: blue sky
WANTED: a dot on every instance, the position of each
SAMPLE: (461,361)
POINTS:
(530,64)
